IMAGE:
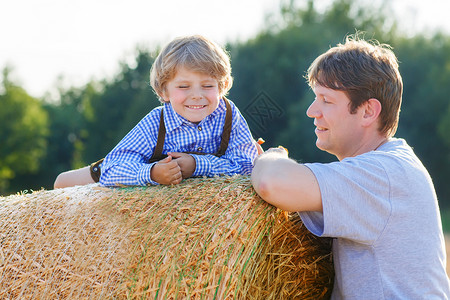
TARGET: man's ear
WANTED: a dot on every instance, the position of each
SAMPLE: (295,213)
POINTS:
(372,110)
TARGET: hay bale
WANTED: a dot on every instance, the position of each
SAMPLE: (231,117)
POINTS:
(205,238)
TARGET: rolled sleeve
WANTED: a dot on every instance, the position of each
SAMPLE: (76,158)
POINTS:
(144,175)
(203,165)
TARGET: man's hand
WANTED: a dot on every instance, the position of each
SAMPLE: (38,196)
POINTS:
(166,171)
(280,151)
(186,163)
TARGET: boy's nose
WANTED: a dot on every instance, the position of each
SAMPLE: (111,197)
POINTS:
(197,94)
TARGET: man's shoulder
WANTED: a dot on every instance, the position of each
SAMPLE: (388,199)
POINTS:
(392,154)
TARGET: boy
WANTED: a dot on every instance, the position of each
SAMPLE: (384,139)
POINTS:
(200,132)
(378,200)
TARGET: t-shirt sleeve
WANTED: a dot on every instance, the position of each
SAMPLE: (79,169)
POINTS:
(355,197)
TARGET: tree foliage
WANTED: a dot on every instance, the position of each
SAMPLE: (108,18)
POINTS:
(269,88)
(425,66)
(23,132)
(119,106)
(276,61)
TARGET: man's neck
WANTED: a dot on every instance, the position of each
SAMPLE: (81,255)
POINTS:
(370,145)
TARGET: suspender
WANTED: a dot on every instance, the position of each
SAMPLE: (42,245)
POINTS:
(226,132)
(95,170)
(157,154)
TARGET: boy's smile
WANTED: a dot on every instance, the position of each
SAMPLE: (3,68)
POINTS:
(193,95)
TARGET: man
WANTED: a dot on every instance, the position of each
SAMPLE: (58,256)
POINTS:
(378,200)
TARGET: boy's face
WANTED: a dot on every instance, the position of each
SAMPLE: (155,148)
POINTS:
(338,131)
(192,95)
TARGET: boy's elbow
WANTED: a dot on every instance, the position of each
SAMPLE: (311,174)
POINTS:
(58,184)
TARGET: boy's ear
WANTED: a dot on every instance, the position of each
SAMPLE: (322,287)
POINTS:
(372,109)
(226,86)
(163,96)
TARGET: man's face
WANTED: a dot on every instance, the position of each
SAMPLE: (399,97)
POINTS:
(338,131)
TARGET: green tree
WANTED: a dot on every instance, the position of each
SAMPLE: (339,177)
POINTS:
(68,130)
(122,103)
(425,67)
(86,122)
(23,132)
(444,129)
(269,89)
(277,59)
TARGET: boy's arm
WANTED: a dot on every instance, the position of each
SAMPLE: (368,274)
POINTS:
(127,163)
(239,156)
(284,183)
(187,162)
(80,176)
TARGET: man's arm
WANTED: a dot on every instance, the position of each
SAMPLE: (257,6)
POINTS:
(284,183)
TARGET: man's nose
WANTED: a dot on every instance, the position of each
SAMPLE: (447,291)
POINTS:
(313,111)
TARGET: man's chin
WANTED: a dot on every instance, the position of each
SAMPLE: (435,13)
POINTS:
(322,146)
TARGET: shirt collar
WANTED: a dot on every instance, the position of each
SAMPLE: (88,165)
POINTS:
(173,120)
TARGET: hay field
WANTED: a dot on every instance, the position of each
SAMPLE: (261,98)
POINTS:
(207,238)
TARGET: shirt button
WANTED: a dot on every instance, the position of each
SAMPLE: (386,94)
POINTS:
(199,128)
(199,149)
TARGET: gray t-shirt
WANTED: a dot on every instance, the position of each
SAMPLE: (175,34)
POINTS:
(382,210)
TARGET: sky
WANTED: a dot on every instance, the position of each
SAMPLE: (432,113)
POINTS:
(83,40)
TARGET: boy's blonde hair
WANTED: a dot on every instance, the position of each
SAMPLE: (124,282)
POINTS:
(363,70)
(196,53)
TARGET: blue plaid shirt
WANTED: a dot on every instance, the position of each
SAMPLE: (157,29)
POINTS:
(127,163)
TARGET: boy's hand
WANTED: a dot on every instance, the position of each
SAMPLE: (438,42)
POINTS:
(258,147)
(186,163)
(166,171)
